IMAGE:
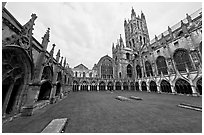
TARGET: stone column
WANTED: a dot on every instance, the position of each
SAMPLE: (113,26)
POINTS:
(122,86)
(140,86)
(97,88)
(7,98)
(148,89)
(79,87)
(106,87)
(158,89)
(88,87)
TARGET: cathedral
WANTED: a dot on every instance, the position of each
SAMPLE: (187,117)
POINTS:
(169,63)
(33,78)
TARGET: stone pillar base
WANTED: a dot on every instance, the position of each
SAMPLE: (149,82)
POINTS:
(195,94)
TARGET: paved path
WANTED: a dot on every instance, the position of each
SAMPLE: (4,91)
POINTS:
(101,112)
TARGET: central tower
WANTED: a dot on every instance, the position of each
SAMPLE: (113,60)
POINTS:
(136,32)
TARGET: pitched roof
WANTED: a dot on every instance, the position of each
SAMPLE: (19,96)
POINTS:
(81,66)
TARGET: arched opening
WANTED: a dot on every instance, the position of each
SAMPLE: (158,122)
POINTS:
(161,65)
(132,86)
(65,79)
(129,71)
(165,86)
(59,76)
(183,87)
(84,86)
(58,89)
(47,73)
(75,86)
(182,60)
(200,47)
(125,86)
(127,56)
(5,88)
(118,86)
(45,91)
(16,72)
(148,68)
(84,74)
(110,86)
(102,86)
(137,87)
(144,86)
(139,71)
(153,86)
(15,93)
(93,86)
(199,86)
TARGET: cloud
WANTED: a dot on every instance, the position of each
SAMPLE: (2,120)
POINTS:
(84,32)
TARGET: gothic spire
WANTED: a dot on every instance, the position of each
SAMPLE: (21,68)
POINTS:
(64,62)
(61,60)
(58,56)
(45,39)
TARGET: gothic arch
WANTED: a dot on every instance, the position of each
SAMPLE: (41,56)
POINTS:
(102,85)
(47,73)
(75,86)
(59,76)
(183,87)
(84,86)
(129,70)
(132,86)
(125,86)
(110,86)
(148,68)
(106,68)
(199,85)
(17,70)
(139,71)
(93,86)
(182,58)
(144,86)
(165,86)
(153,86)
(200,47)
(161,65)
(137,87)
(58,89)
(118,86)
(45,91)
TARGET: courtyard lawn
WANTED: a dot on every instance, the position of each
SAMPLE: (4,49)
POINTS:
(100,112)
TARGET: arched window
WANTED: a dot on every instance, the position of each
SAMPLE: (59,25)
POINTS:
(144,40)
(90,74)
(120,75)
(139,71)
(161,65)
(59,76)
(47,73)
(133,42)
(182,59)
(183,87)
(127,56)
(148,68)
(106,69)
(84,74)
(200,47)
(75,74)
(130,44)
(129,70)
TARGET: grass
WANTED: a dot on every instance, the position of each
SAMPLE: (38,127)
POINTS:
(100,112)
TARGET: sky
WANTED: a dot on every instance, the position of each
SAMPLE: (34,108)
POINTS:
(84,32)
